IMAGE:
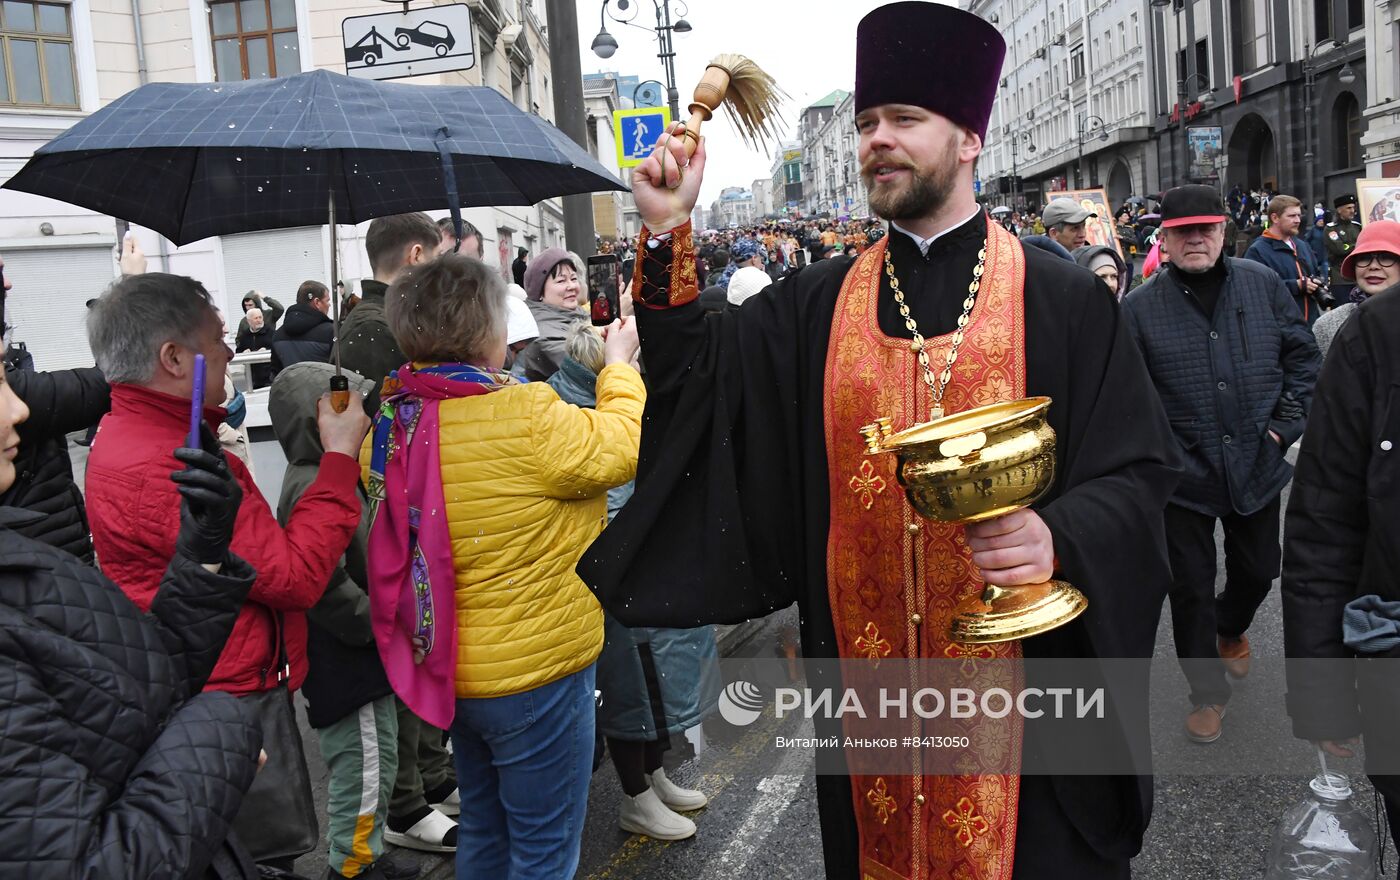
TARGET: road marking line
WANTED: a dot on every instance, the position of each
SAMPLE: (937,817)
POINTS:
(775,796)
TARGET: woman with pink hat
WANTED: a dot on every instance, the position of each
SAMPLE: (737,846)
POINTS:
(1374,264)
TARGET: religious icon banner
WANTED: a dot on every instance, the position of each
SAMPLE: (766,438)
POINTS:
(1102,229)
(1379,199)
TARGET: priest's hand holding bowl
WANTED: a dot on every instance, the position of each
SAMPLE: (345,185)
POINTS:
(666,185)
(1014,549)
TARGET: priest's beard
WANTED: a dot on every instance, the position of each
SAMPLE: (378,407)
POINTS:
(925,192)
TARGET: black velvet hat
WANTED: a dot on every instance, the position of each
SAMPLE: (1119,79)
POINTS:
(932,56)
(1343,201)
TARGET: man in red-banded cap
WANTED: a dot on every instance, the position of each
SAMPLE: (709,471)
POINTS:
(754,490)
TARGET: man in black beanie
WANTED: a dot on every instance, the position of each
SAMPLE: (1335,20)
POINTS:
(754,489)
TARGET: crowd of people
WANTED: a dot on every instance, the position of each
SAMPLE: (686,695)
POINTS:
(515,539)
(365,551)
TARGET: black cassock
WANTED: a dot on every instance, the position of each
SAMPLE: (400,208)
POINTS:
(730,516)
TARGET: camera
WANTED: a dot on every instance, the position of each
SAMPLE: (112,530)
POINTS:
(1322,292)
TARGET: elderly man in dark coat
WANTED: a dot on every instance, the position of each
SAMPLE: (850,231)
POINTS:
(1234,364)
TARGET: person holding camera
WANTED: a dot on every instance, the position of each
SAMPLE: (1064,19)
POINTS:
(1282,250)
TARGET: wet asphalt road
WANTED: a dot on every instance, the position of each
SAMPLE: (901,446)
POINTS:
(1209,822)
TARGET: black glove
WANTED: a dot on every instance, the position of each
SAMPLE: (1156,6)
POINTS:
(1288,408)
(210,501)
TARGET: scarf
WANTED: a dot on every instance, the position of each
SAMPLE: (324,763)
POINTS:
(411,573)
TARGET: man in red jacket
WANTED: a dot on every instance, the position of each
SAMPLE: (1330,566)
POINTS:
(145,332)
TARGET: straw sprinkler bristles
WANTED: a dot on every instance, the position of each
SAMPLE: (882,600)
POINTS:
(753,98)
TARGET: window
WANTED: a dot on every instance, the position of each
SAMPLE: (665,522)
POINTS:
(1203,64)
(1076,63)
(1322,20)
(519,95)
(1137,38)
(1346,125)
(254,39)
(1356,14)
(1122,38)
(488,59)
(1249,26)
(37,67)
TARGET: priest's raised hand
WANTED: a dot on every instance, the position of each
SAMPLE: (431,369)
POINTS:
(666,185)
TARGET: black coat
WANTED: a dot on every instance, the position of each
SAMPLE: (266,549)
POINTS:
(733,458)
(112,763)
(1342,539)
(305,335)
(1221,379)
(59,403)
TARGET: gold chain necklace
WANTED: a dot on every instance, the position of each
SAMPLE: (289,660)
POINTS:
(920,347)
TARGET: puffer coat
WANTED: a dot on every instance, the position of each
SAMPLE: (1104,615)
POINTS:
(1221,379)
(525,477)
(112,763)
(59,403)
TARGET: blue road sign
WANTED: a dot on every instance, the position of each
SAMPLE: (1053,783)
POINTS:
(637,132)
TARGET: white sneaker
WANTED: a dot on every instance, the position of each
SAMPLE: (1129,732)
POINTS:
(450,805)
(673,795)
(646,814)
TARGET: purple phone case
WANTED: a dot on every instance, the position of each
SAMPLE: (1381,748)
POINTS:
(197,403)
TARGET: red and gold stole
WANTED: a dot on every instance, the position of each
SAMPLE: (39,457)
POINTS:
(894,578)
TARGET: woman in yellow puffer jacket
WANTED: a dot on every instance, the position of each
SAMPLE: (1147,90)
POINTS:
(487,492)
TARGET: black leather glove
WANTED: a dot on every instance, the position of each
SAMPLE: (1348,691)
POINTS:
(210,501)
(1288,408)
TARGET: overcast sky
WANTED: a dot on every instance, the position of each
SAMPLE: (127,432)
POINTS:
(809,52)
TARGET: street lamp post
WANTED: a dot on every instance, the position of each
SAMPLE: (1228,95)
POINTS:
(1346,76)
(1083,126)
(1015,170)
(1208,102)
(604,45)
(638,88)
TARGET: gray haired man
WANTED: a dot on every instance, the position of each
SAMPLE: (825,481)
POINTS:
(1065,223)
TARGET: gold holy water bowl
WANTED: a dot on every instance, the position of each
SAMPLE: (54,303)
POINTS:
(978,465)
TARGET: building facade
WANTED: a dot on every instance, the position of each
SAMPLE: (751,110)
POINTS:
(71,57)
(762,189)
(1283,81)
(600,100)
(1380,142)
(833,149)
(786,186)
(1072,110)
(733,208)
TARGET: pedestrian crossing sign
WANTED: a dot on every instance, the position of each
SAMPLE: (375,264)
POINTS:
(637,131)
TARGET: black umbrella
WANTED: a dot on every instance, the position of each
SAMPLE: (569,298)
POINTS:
(195,160)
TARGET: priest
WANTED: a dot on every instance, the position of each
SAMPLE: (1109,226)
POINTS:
(754,490)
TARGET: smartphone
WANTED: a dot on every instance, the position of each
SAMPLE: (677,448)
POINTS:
(604,272)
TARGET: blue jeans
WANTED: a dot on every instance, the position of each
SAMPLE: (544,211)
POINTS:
(523,766)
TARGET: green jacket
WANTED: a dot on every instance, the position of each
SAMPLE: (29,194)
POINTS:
(366,345)
(1340,237)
